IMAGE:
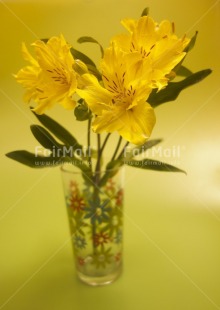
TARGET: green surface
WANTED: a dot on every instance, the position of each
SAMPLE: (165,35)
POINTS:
(172,221)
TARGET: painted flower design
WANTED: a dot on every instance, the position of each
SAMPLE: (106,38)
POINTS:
(80,261)
(119,197)
(102,257)
(50,77)
(79,242)
(74,187)
(118,257)
(110,187)
(76,202)
(98,211)
(101,239)
(77,223)
(114,223)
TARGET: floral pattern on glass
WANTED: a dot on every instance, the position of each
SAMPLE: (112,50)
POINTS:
(96,224)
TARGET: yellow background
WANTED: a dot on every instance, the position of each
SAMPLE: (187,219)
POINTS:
(172,221)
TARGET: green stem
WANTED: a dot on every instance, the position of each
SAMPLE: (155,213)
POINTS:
(97,174)
(117,148)
(97,168)
(89,143)
(105,141)
(95,193)
(100,151)
(111,166)
(95,187)
(122,152)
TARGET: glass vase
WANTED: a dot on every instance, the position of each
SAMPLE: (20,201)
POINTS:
(95,213)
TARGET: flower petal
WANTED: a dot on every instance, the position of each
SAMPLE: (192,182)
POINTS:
(156,43)
(96,96)
(139,122)
(129,24)
(51,77)
(134,125)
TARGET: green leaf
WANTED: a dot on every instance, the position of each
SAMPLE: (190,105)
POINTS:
(150,164)
(45,40)
(188,48)
(59,131)
(86,39)
(173,89)
(94,71)
(141,148)
(79,55)
(33,161)
(115,164)
(145,12)
(86,60)
(192,42)
(45,138)
(183,71)
(82,111)
(62,134)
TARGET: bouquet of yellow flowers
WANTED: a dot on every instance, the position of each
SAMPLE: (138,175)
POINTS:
(136,74)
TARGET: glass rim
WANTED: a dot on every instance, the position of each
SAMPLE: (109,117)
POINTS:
(75,170)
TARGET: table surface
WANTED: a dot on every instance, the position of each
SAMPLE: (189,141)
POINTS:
(171,221)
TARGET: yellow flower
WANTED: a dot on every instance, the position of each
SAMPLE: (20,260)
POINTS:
(154,42)
(50,78)
(120,104)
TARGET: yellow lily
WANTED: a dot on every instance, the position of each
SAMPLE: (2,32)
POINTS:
(50,78)
(120,103)
(155,43)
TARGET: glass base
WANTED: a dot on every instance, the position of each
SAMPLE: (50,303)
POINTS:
(100,280)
